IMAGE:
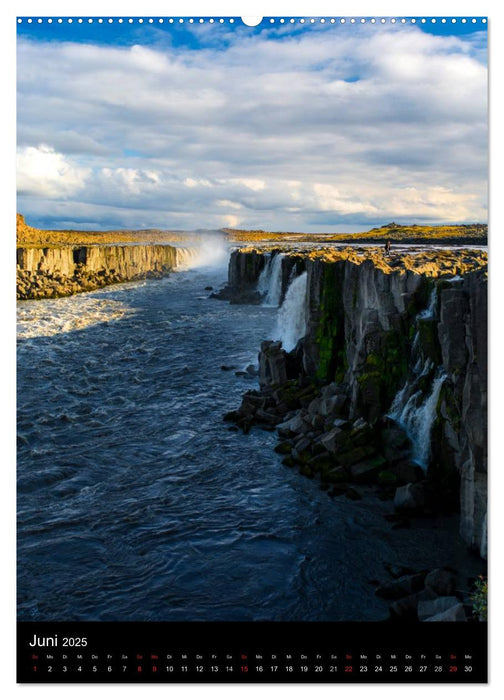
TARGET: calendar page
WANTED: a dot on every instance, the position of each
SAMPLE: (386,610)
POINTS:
(252,349)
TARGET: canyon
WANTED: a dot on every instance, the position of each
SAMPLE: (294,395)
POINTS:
(370,381)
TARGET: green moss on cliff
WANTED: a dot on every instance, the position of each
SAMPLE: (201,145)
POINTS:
(384,372)
(330,333)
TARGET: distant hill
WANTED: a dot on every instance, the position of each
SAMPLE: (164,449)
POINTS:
(29,236)
(463,234)
(472,234)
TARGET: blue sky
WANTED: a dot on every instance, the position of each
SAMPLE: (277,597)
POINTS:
(284,126)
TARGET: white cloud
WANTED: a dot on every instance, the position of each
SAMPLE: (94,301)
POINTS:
(305,131)
(228,204)
(41,172)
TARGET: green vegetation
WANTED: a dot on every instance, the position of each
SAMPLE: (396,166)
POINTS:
(330,333)
(385,370)
(479,598)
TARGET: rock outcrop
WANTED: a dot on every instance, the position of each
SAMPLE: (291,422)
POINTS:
(396,349)
(244,273)
(62,271)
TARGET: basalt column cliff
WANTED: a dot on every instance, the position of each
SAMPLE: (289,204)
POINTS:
(61,271)
(387,383)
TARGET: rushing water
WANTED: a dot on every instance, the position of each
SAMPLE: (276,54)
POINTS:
(417,415)
(291,322)
(270,280)
(137,502)
(412,407)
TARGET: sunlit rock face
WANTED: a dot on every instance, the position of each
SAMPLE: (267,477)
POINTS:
(62,271)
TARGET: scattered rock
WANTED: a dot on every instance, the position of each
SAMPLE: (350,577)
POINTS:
(387,478)
(454,614)
(272,364)
(397,570)
(353,495)
(366,471)
(322,462)
(333,439)
(405,608)
(283,448)
(355,455)
(403,586)
(408,472)
(396,445)
(337,491)
(289,461)
(295,425)
(430,608)
(336,475)
(441,581)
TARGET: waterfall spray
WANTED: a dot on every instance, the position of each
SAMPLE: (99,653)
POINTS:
(208,252)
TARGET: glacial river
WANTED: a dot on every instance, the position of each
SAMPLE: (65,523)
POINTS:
(137,502)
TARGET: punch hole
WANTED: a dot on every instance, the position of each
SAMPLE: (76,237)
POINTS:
(251,21)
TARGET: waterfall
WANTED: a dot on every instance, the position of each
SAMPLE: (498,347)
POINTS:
(417,415)
(291,321)
(270,280)
(263,282)
(430,311)
(209,252)
(186,257)
(412,407)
